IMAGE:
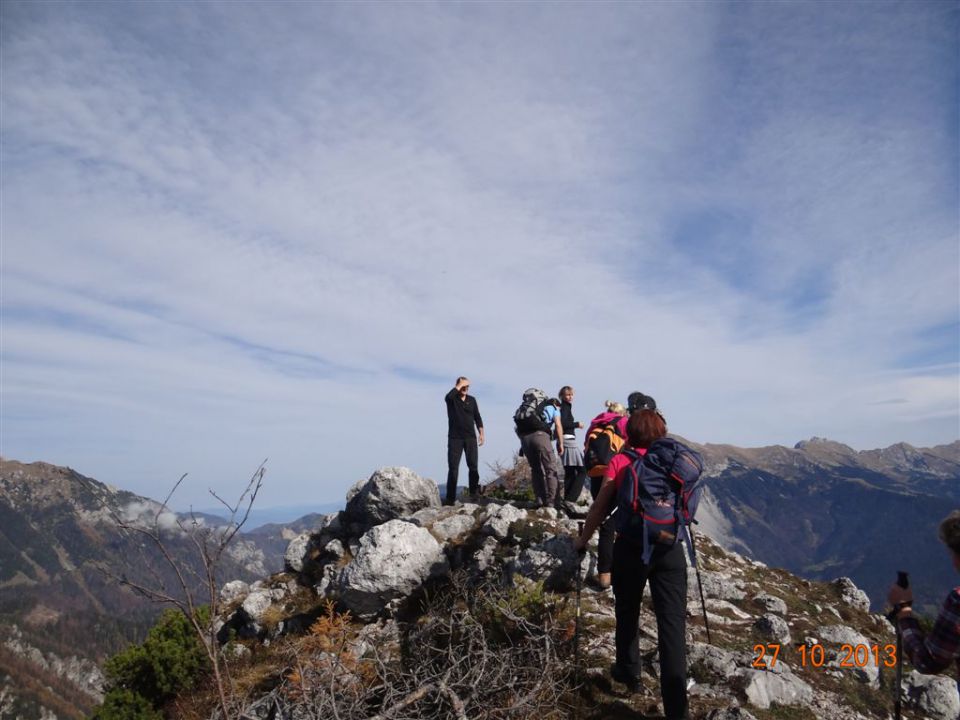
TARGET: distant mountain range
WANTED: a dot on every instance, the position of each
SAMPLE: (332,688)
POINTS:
(276,516)
(822,509)
(819,509)
(62,609)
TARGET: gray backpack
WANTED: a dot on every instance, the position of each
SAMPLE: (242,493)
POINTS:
(530,416)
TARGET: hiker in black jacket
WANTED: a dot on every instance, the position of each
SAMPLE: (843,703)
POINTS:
(574,471)
(462,415)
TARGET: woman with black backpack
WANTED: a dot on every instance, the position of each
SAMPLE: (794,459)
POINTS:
(666,569)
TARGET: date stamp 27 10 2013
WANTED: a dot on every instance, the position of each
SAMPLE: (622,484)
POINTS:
(816,656)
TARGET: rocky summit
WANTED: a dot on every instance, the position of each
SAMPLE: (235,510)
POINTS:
(781,646)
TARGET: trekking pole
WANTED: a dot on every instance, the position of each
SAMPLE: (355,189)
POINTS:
(696,566)
(576,626)
(899,686)
(903,580)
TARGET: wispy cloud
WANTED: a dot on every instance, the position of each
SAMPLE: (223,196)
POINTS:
(231,232)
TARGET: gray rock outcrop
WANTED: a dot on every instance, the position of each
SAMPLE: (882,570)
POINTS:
(388,494)
(372,563)
(775,627)
(259,601)
(771,603)
(452,527)
(716,585)
(393,560)
(734,713)
(553,560)
(719,663)
(498,518)
(762,688)
(233,590)
(851,594)
(298,552)
(934,695)
(836,637)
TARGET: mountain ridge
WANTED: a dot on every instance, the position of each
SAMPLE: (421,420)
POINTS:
(823,507)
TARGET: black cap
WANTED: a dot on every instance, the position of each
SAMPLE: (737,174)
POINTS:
(639,401)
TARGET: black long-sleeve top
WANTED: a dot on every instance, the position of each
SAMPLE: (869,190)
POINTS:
(567,422)
(462,415)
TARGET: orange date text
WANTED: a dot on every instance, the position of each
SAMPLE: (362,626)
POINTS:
(816,656)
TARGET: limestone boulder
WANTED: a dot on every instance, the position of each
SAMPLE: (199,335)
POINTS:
(770,603)
(774,627)
(719,663)
(763,688)
(554,560)
(258,601)
(233,590)
(719,585)
(732,713)
(498,518)
(934,695)
(834,637)
(298,552)
(393,560)
(851,594)
(390,493)
(453,527)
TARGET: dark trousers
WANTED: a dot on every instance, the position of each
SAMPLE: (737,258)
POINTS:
(573,477)
(667,573)
(608,531)
(456,448)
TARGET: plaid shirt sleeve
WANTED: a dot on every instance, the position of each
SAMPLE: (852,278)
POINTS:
(933,653)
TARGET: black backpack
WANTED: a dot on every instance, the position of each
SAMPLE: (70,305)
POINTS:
(529,417)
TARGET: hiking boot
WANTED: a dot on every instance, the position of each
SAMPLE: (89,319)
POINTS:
(604,580)
(573,510)
(622,676)
(594,582)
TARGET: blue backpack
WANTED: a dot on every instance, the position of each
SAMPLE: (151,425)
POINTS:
(658,497)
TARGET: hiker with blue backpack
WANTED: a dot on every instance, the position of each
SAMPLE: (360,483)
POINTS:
(536,421)
(655,489)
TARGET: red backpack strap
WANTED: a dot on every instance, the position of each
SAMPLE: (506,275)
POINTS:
(633,457)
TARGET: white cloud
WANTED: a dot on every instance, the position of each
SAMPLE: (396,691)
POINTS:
(233,235)
(150,516)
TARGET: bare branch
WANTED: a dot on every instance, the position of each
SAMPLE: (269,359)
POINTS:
(208,546)
(250,493)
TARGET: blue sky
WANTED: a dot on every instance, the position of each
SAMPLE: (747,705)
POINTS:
(237,231)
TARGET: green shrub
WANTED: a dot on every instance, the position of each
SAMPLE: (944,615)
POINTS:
(120,704)
(142,678)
